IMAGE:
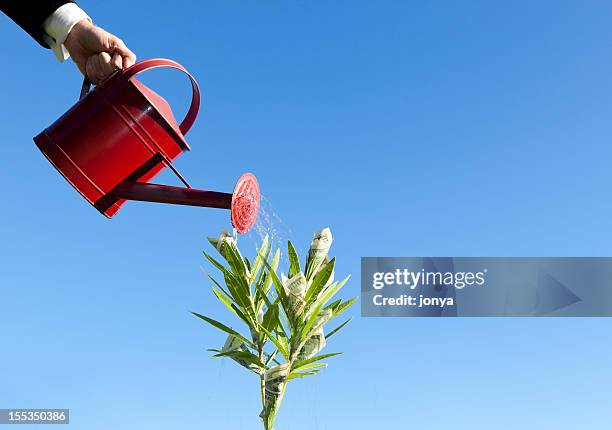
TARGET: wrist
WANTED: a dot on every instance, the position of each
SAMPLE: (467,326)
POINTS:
(60,24)
(81,26)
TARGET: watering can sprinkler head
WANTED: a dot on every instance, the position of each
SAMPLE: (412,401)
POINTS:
(245,203)
(120,135)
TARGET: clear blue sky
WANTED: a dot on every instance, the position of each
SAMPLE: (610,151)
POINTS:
(436,128)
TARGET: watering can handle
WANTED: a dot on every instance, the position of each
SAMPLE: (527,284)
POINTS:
(154,63)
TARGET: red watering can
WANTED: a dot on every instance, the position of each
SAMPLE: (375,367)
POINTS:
(121,134)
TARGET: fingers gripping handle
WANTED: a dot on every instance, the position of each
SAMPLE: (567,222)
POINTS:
(154,63)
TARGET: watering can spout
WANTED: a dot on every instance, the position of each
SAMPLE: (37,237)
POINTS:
(146,192)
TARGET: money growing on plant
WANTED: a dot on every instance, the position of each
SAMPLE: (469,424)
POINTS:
(285,316)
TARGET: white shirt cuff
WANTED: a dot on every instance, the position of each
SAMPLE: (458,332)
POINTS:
(58,25)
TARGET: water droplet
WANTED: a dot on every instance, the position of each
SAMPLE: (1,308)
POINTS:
(269,222)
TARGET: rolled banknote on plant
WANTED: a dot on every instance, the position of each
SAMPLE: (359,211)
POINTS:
(275,380)
(232,343)
(321,242)
(315,341)
(225,238)
(326,260)
(295,288)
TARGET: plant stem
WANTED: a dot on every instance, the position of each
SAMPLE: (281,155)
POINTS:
(262,388)
(262,380)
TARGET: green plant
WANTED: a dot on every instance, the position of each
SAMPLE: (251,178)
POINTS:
(285,316)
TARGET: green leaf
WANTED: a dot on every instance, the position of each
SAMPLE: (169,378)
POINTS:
(220,287)
(236,262)
(232,307)
(261,296)
(259,258)
(333,304)
(294,262)
(295,375)
(318,304)
(327,294)
(239,292)
(280,290)
(270,319)
(280,328)
(243,355)
(281,336)
(239,268)
(344,306)
(284,352)
(215,263)
(320,280)
(264,282)
(299,364)
(247,263)
(224,328)
(312,366)
(225,299)
(239,295)
(237,286)
(270,357)
(272,267)
(337,329)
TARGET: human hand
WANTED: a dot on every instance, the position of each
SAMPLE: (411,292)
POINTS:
(97,52)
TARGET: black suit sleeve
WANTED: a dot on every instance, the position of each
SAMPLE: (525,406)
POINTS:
(30,14)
